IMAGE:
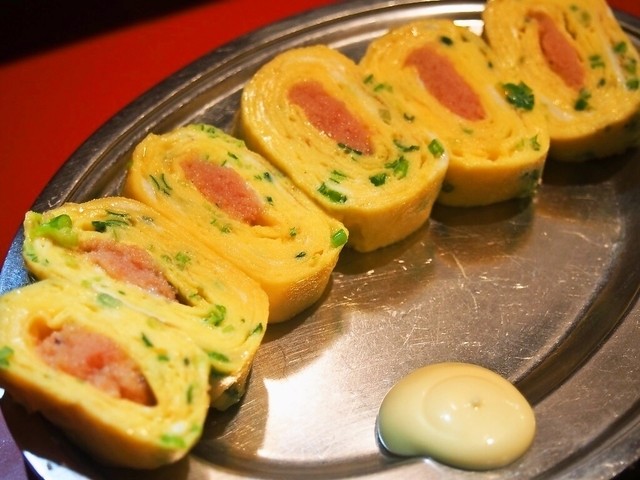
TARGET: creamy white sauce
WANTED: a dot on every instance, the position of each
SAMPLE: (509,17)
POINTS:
(460,414)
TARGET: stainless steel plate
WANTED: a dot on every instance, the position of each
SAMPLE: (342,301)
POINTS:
(543,292)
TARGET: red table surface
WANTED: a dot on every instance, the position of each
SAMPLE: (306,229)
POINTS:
(72,70)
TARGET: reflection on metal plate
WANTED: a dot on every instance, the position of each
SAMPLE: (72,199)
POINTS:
(541,291)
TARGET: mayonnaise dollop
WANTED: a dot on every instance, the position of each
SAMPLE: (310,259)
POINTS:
(459,414)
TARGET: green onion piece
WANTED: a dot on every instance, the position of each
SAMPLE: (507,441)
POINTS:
(385,115)
(446,40)
(190,395)
(436,148)
(378,179)
(226,228)
(117,214)
(400,167)
(405,148)
(6,353)
(333,195)
(173,441)
(347,149)
(582,103)
(339,238)
(535,145)
(259,329)
(102,225)
(596,61)
(108,301)
(59,229)
(220,357)
(161,184)
(520,95)
(216,316)
(182,259)
(337,176)
(620,47)
(630,65)
(383,86)
(211,130)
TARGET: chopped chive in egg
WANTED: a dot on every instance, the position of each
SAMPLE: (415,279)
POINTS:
(59,229)
(520,95)
(6,353)
(337,176)
(190,395)
(161,184)
(378,179)
(146,341)
(405,148)
(220,357)
(173,441)
(436,148)
(216,316)
(339,238)
(333,195)
(400,167)
(259,329)
(535,144)
(596,61)
(446,40)
(108,301)
(582,102)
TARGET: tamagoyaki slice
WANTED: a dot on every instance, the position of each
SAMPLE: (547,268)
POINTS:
(582,66)
(241,207)
(123,385)
(447,79)
(121,248)
(314,113)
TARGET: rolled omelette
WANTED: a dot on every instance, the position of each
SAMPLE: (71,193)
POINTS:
(241,207)
(447,79)
(313,113)
(126,387)
(582,66)
(128,253)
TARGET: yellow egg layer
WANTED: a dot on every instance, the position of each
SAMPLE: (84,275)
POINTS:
(382,194)
(219,307)
(600,116)
(115,430)
(291,252)
(492,158)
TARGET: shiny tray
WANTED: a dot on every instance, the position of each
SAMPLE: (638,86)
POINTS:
(542,291)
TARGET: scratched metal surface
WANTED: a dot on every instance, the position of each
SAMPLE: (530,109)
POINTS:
(543,292)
